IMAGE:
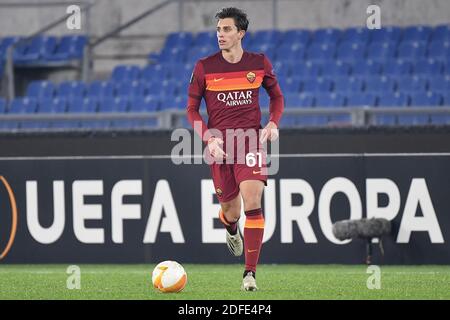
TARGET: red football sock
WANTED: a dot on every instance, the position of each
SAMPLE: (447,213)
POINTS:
(230,226)
(253,236)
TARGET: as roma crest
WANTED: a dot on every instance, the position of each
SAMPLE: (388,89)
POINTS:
(251,77)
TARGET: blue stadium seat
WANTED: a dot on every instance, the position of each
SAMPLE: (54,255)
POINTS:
(100,89)
(288,121)
(326,36)
(299,100)
(167,88)
(40,89)
(410,84)
(366,68)
(385,34)
(356,35)
(440,119)
(68,48)
(340,120)
(380,51)
(290,85)
(34,125)
(305,70)
(290,53)
(361,99)
(71,89)
(315,85)
(134,124)
(2,105)
(385,119)
(155,72)
(173,102)
(131,89)
(118,104)
(381,84)
(283,69)
(82,105)
(9,125)
(123,73)
(205,39)
(417,33)
(5,43)
(196,53)
(326,100)
(441,33)
(179,39)
(428,67)
(52,105)
(37,48)
(23,105)
(321,52)
(312,120)
(438,49)
(173,55)
(272,37)
(439,84)
(428,99)
(397,67)
(335,69)
(348,85)
(413,119)
(95,124)
(64,124)
(412,50)
(144,104)
(297,36)
(349,51)
(397,99)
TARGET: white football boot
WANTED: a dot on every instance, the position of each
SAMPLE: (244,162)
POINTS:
(249,282)
(234,243)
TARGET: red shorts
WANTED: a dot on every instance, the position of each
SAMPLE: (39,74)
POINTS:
(227,177)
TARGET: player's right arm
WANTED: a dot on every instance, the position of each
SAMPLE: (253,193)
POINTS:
(197,87)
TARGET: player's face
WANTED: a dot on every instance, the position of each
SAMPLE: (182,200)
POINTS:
(228,35)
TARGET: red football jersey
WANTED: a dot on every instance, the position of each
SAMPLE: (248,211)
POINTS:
(231,92)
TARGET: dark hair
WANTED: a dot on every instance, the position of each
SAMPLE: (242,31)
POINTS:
(239,16)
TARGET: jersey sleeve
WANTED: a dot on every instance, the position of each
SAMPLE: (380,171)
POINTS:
(195,94)
(270,84)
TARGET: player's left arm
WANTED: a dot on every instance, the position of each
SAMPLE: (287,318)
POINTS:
(276,107)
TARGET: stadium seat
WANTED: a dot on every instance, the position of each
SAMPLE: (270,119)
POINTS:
(144,104)
(361,100)
(321,51)
(82,105)
(366,68)
(397,67)
(71,89)
(298,36)
(118,104)
(305,70)
(397,99)
(68,48)
(272,37)
(358,35)
(348,85)
(439,84)
(340,120)
(441,33)
(36,49)
(196,53)
(179,39)
(417,33)
(2,105)
(410,84)
(299,100)
(335,68)
(413,119)
(290,85)
(428,99)
(205,39)
(314,85)
(349,51)
(439,49)
(412,50)
(385,119)
(4,45)
(327,100)
(326,36)
(380,51)
(428,67)
(52,105)
(23,105)
(64,124)
(386,34)
(440,119)
(291,52)
(155,72)
(100,89)
(379,84)
(312,120)
(40,89)
(123,73)
(131,89)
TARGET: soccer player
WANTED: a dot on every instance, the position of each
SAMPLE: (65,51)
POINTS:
(229,81)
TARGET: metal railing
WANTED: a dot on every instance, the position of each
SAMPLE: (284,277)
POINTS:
(172,118)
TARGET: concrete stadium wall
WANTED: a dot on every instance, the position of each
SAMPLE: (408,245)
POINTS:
(198,16)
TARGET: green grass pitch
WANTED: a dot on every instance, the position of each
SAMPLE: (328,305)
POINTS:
(287,282)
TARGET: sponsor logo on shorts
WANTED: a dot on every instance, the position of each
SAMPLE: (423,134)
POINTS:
(219,192)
